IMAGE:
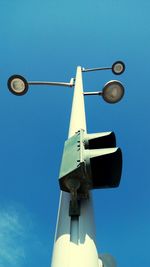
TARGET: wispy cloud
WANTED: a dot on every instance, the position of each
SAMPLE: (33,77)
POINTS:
(11,236)
(16,237)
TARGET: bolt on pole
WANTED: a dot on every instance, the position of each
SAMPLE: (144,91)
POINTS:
(74,243)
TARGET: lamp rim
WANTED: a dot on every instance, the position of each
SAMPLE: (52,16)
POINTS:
(12,90)
(113,67)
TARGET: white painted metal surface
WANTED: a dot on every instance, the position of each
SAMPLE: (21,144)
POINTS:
(74,244)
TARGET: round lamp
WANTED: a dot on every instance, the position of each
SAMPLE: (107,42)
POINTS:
(118,67)
(113,92)
(17,85)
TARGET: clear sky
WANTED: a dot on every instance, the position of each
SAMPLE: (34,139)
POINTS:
(47,40)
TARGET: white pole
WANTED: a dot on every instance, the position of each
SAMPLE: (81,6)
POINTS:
(74,244)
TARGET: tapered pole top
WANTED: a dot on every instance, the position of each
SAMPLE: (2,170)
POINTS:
(77,119)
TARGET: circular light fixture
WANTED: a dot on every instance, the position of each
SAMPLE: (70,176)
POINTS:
(118,67)
(113,92)
(17,85)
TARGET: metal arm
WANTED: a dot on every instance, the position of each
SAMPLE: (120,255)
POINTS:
(71,84)
(92,93)
(95,69)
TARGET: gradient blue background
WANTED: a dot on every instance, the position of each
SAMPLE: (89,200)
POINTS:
(46,40)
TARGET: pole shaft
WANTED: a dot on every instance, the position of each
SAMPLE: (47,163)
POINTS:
(75,237)
(77,120)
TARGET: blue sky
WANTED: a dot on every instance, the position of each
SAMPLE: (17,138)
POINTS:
(46,41)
